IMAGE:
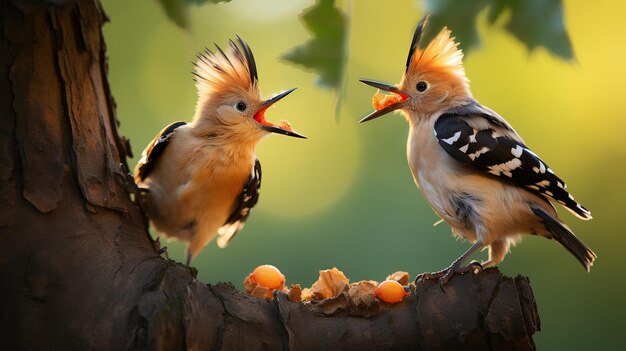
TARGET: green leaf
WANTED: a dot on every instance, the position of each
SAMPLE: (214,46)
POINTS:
(325,53)
(176,10)
(535,23)
(202,2)
(459,16)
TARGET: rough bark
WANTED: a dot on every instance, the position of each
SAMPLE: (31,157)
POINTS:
(77,265)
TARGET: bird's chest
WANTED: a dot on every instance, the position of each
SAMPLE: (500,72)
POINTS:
(433,170)
(214,184)
(426,159)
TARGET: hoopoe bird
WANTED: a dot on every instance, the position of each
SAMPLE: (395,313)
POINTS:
(201,179)
(472,167)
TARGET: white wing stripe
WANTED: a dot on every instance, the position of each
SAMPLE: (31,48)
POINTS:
(517,151)
(453,138)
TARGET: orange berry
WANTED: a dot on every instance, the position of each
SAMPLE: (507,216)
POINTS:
(390,291)
(268,276)
(284,124)
(380,101)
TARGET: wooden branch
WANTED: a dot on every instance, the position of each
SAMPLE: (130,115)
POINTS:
(79,271)
(481,312)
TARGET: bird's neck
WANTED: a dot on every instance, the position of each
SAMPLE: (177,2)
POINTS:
(416,118)
(232,142)
(420,113)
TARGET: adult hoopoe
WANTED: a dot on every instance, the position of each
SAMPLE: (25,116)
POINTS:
(473,168)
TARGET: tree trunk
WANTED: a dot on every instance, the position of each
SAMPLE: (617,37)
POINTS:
(77,265)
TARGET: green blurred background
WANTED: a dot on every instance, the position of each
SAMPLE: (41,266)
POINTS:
(345,197)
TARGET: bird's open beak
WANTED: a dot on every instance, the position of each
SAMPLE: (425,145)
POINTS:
(403,97)
(259,116)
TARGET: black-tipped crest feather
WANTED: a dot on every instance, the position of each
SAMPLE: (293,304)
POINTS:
(249,60)
(224,55)
(231,62)
(421,27)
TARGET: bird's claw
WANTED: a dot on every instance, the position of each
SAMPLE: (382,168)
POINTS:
(445,275)
(127,179)
(161,251)
(130,186)
(431,275)
(475,266)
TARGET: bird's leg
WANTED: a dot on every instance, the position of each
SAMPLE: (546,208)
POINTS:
(159,249)
(127,180)
(189,256)
(497,251)
(444,275)
(131,187)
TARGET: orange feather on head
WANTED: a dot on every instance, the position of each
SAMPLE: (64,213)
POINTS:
(440,64)
(441,54)
(226,71)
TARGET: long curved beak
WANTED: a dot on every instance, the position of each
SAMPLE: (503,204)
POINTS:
(278,130)
(259,116)
(390,108)
(271,101)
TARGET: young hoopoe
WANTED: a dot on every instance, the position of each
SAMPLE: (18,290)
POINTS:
(202,178)
(473,168)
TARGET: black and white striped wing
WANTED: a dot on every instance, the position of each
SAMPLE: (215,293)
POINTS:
(154,150)
(246,201)
(490,151)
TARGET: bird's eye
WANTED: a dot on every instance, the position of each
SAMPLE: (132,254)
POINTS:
(421,86)
(241,106)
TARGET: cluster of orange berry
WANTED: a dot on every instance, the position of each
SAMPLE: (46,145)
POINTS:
(266,279)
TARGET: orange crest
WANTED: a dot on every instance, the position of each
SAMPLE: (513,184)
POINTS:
(441,54)
(222,71)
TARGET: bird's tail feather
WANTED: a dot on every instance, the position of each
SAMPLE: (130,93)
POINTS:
(561,233)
